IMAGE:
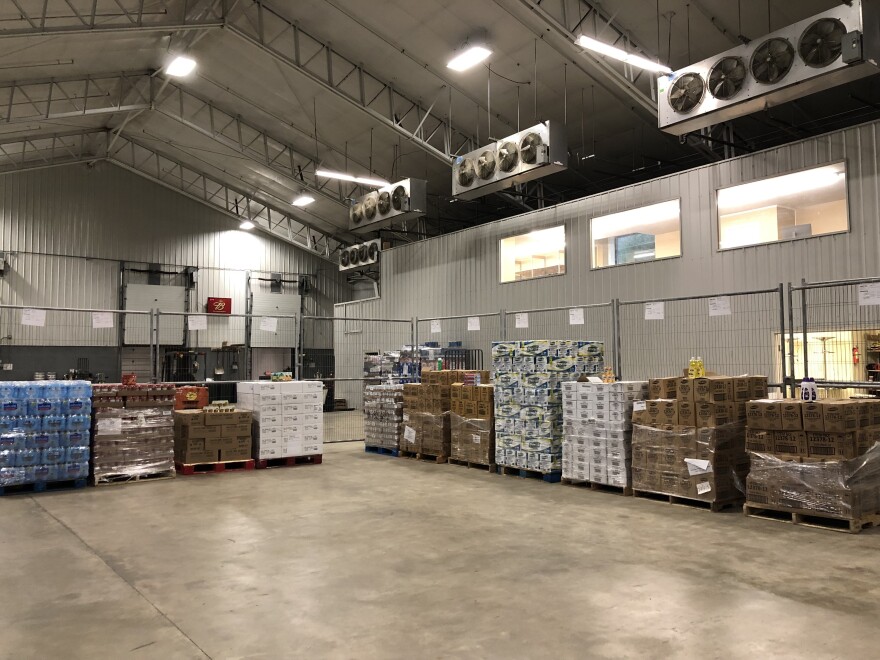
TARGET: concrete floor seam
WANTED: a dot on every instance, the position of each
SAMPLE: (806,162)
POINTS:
(119,575)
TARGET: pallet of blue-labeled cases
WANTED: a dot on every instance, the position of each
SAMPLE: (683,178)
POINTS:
(549,477)
(43,486)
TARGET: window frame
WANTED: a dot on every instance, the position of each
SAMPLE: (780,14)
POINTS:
(680,254)
(519,233)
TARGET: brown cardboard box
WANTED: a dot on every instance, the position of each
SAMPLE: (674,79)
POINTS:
(739,411)
(759,387)
(742,388)
(196,432)
(866,438)
(485,392)
(470,408)
(764,415)
(709,414)
(455,391)
(687,413)
(831,445)
(874,412)
(663,411)
(684,389)
(235,430)
(790,413)
(864,409)
(760,491)
(790,442)
(641,417)
(227,418)
(712,389)
(759,441)
(840,417)
(485,409)
(234,449)
(662,388)
(813,417)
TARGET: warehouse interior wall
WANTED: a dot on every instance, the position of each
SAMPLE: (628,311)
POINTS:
(66,232)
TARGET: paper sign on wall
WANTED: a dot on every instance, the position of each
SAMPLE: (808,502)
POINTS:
(576,316)
(655,311)
(435,327)
(473,324)
(35,317)
(269,323)
(719,306)
(522,320)
(409,434)
(869,294)
(198,322)
(102,319)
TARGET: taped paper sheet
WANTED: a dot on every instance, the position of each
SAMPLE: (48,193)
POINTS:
(655,311)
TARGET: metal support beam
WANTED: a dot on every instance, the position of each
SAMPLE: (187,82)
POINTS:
(39,152)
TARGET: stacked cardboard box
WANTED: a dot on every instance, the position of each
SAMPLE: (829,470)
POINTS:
(473,423)
(690,440)
(133,430)
(209,437)
(815,456)
(529,376)
(598,430)
(288,417)
(383,415)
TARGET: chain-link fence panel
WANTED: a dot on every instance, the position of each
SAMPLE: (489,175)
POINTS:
(735,333)
(461,342)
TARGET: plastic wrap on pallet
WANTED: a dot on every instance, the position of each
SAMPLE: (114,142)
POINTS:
(473,439)
(132,441)
(427,433)
(843,488)
(708,464)
(383,416)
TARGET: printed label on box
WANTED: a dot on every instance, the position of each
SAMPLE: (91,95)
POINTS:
(697,466)
(704,488)
(409,434)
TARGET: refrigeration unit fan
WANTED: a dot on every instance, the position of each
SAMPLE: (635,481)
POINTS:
(363,253)
(508,156)
(359,256)
(822,42)
(399,199)
(466,172)
(528,147)
(344,259)
(373,251)
(356,213)
(772,60)
(384,202)
(353,258)
(370,204)
(686,92)
(486,164)
(727,77)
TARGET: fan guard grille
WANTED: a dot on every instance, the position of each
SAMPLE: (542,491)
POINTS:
(686,92)
(772,60)
(822,42)
(727,77)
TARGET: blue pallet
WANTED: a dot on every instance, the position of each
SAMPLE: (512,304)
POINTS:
(43,486)
(381,450)
(549,477)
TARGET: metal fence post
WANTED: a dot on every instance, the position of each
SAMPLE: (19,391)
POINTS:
(297,366)
(804,326)
(785,383)
(615,338)
(154,345)
(791,360)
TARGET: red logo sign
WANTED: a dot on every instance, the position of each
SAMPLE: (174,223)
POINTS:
(219,306)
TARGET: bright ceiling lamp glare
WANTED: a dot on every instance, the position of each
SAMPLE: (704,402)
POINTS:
(180,66)
(364,181)
(766,190)
(246,225)
(618,54)
(303,200)
(469,58)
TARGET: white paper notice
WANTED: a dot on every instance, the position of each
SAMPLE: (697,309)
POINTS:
(696,466)
(436,328)
(198,322)
(703,488)
(639,405)
(102,319)
(473,324)
(269,323)
(869,294)
(719,306)
(594,379)
(409,434)
(655,311)
(405,417)
(522,320)
(576,316)
(33,317)
(476,438)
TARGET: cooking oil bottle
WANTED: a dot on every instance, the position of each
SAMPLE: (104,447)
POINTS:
(701,368)
(692,367)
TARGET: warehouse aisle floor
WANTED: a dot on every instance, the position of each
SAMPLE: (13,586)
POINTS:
(375,557)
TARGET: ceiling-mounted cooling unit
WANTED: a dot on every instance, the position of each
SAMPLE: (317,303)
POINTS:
(527,155)
(398,201)
(827,50)
(358,256)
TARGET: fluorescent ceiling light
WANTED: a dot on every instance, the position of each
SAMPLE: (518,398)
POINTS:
(765,190)
(471,57)
(620,224)
(180,66)
(618,54)
(303,200)
(364,181)
(247,224)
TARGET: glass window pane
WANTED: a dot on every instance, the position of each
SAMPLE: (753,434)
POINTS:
(539,253)
(643,234)
(782,208)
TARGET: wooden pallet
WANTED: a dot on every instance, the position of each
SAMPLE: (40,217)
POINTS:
(471,464)
(592,485)
(212,468)
(122,478)
(288,461)
(43,486)
(549,477)
(431,458)
(384,451)
(807,518)
(715,507)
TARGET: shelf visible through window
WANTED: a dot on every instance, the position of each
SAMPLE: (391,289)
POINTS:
(642,234)
(540,253)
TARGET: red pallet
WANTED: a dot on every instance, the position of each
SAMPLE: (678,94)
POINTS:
(212,468)
(289,461)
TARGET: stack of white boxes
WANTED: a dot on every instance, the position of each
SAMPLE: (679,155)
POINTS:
(597,446)
(288,417)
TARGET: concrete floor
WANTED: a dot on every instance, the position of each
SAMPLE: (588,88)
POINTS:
(375,557)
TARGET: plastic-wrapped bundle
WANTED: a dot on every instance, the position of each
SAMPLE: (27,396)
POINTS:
(383,415)
(135,441)
(427,433)
(473,440)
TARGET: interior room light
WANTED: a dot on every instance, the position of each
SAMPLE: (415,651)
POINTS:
(247,224)
(303,200)
(365,181)
(180,66)
(757,192)
(469,58)
(618,54)
(618,224)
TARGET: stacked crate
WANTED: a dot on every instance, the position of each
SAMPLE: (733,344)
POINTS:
(383,415)
(473,424)
(288,417)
